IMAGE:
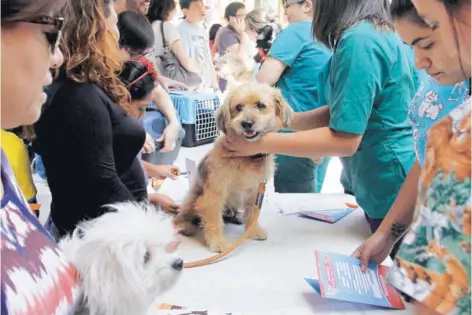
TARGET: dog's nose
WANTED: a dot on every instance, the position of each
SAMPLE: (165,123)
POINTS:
(247,124)
(178,264)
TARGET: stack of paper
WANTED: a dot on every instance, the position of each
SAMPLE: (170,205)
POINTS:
(324,207)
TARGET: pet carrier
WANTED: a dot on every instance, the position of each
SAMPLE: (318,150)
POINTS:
(154,123)
(197,114)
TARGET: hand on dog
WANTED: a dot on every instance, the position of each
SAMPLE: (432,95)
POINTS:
(165,202)
(237,145)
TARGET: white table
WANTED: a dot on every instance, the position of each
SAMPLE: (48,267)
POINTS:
(260,278)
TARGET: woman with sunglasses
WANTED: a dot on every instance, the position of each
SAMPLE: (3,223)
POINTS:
(86,136)
(294,63)
(432,266)
(369,88)
(30,258)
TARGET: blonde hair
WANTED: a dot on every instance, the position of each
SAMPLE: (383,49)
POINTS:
(257,19)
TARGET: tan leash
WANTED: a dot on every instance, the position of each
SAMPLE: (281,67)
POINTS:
(257,211)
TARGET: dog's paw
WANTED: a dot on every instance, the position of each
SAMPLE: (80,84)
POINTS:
(259,234)
(218,246)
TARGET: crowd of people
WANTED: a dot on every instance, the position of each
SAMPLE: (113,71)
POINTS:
(384,85)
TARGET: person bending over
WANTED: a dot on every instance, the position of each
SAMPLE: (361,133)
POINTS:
(431,103)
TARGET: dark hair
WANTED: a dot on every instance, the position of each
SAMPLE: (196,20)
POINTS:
(451,5)
(135,31)
(160,10)
(213,30)
(404,9)
(184,4)
(233,8)
(138,83)
(332,18)
(17,10)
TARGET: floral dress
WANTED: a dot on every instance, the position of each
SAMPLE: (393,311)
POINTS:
(433,263)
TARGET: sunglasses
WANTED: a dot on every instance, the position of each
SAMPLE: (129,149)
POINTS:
(290,3)
(53,36)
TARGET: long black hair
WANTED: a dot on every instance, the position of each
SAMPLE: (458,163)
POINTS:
(331,18)
(138,79)
(404,9)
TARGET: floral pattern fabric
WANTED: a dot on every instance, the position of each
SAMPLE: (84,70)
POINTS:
(433,265)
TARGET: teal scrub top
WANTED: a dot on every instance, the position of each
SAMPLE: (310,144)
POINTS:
(370,88)
(300,86)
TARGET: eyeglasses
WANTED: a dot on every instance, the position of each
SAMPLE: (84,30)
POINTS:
(290,3)
(53,37)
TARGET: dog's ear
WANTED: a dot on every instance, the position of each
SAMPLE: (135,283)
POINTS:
(222,115)
(282,109)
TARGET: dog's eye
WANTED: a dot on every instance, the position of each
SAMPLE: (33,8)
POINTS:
(239,107)
(147,256)
(260,105)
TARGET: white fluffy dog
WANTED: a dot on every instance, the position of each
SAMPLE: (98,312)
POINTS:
(124,259)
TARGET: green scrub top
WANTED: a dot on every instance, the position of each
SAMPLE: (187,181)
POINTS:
(300,86)
(370,87)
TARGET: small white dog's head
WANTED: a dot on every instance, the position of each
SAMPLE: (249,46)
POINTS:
(124,259)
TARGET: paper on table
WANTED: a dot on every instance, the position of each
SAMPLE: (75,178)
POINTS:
(176,189)
(287,204)
(191,166)
(340,278)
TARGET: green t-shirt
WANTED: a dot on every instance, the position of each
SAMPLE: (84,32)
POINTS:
(300,86)
(370,88)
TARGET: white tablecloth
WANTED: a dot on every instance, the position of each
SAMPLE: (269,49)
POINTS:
(267,277)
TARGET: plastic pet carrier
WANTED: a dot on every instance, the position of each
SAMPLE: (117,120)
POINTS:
(197,114)
(154,123)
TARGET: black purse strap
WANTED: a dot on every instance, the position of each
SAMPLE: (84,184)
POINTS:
(164,42)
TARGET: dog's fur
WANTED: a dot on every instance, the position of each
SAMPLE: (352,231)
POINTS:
(232,182)
(234,70)
(124,259)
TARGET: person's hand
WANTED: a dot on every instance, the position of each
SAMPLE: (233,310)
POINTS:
(238,24)
(238,145)
(163,171)
(374,250)
(169,137)
(177,86)
(165,202)
(149,146)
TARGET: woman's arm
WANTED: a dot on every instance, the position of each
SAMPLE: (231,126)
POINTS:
(235,44)
(315,118)
(312,144)
(378,246)
(171,132)
(400,215)
(270,71)
(164,103)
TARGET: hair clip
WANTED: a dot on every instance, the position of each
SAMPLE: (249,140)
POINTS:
(149,70)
